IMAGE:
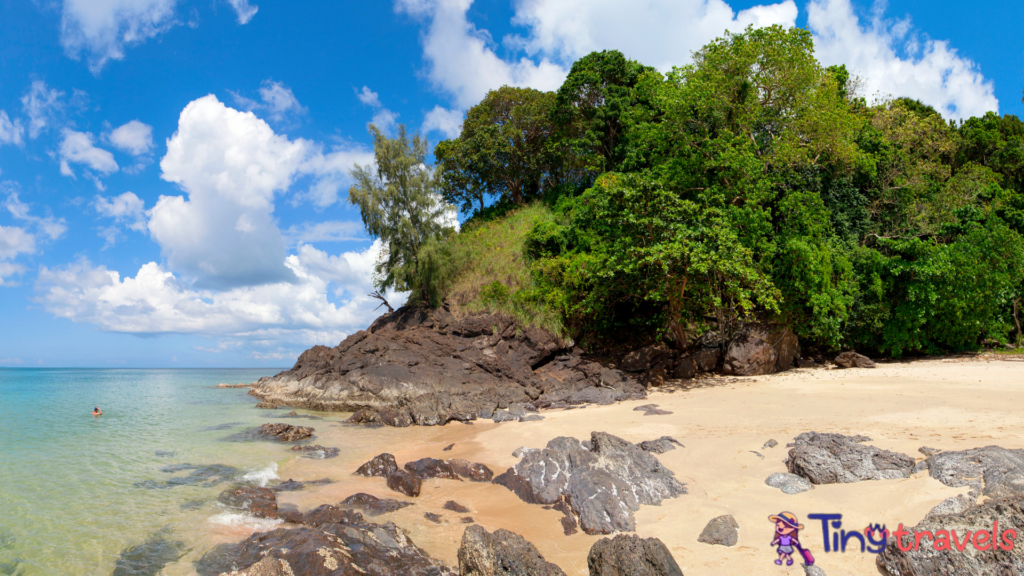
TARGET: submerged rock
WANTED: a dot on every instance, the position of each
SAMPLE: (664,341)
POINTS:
(149,557)
(260,502)
(835,458)
(723,531)
(207,475)
(502,553)
(285,432)
(630,555)
(371,505)
(316,451)
(426,367)
(603,483)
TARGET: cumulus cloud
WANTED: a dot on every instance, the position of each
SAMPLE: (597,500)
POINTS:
(126,209)
(276,99)
(385,120)
(41,105)
(368,97)
(10,131)
(78,147)
(102,29)
(135,138)
(928,70)
(443,120)
(17,240)
(243,10)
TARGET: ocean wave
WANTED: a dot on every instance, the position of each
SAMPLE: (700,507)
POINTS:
(262,476)
(238,519)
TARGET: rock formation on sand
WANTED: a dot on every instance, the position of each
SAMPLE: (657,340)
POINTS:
(991,471)
(408,481)
(285,432)
(502,553)
(427,367)
(630,555)
(834,459)
(603,481)
(723,531)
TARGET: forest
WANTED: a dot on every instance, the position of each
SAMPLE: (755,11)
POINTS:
(753,184)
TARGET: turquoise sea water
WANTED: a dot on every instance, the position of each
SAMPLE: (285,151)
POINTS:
(77,493)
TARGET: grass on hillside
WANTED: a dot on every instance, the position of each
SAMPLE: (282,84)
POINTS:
(492,252)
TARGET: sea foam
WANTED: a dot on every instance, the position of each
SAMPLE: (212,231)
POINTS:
(237,519)
(262,476)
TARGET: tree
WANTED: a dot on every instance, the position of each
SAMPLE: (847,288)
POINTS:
(399,204)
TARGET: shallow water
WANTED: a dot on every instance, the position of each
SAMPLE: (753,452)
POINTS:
(130,492)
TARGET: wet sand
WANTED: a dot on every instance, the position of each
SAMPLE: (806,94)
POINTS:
(949,404)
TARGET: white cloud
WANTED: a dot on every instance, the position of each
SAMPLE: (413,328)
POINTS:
(243,10)
(331,172)
(930,71)
(447,122)
(329,231)
(78,147)
(126,209)
(10,132)
(385,120)
(368,97)
(52,228)
(276,99)
(41,105)
(101,29)
(15,241)
(135,138)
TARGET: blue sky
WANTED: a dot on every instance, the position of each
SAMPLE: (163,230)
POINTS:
(173,173)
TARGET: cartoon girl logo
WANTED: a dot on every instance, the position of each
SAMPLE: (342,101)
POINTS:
(787,538)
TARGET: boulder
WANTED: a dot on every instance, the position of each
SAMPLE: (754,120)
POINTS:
(990,471)
(471,470)
(371,505)
(328,514)
(603,482)
(853,360)
(994,515)
(642,360)
(425,367)
(759,349)
(404,482)
(382,465)
(630,555)
(285,432)
(706,359)
(685,368)
(788,483)
(834,459)
(502,553)
(660,446)
(260,502)
(426,468)
(721,531)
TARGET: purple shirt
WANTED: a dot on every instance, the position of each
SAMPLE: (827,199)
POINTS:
(785,540)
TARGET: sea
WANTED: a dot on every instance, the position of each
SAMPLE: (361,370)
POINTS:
(131,492)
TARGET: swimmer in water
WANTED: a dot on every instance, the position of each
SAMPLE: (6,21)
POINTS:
(96,411)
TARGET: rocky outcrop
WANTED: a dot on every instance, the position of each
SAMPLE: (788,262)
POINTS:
(371,505)
(834,459)
(982,526)
(427,367)
(630,555)
(853,360)
(260,502)
(761,349)
(426,468)
(285,432)
(502,553)
(721,531)
(990,471)
(603,482)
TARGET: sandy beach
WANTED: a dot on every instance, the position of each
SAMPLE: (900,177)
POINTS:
(942,403)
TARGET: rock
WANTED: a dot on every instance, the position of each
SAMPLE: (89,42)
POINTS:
(642,359)
(807,363)
(285,432)
(425,367)
(471,470)
(758,454)
(1008,513)
(206,475)
(426,468)
(685,368)
(266,404)
(404,482)
(328,514)
(788,483)
(223,385)
(758,349)
(455,507)
(706,359)
(951,505)
(813,570)
(382,465)
(467,520)
(148,557)
(353,546)
(602,483)
(834,458)
(630,555)
(265,567)
(448,448)
(721,531)
(532,418)
(260,502)
(991,471)
(660,446)
(290,485)
(502,553)
(928,451)
(502,415)
(435,518)
(316,451)
(371,505)
(853,360)
(770,444)
(522,451)
(651,410)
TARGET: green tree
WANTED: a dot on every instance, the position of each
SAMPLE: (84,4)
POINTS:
(399,203)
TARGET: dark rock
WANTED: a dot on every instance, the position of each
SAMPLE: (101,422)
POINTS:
(317,452)
(770,444)
(642,359)
(448,448)
(192,504)
(806,363)
(265,567)
(382,465)
(165,453)
(928,451)
(502,553)
(522,451)
(207,475)
(219,559)
(350,548)
(991,471)
(260,502)
(758,454)
(660,446)
(651,410)
(371,505)
(266,404)
(630,555)
(722,531)
(285,432)
(685,368)
(426,468)
(758,349)
(290,485)
(603,484)
(149,557)
(426,367)
(927,561)
(706,359)
(471,470)
(328,514)
(455,507)
(404,482)
(834,458)
(467,520)
(294,414)
(788,483)
(502,415)
(853,360)
(435,518)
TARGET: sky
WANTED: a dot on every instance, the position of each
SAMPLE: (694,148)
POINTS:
(174,174)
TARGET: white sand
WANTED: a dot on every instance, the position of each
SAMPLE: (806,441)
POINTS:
(946,404)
